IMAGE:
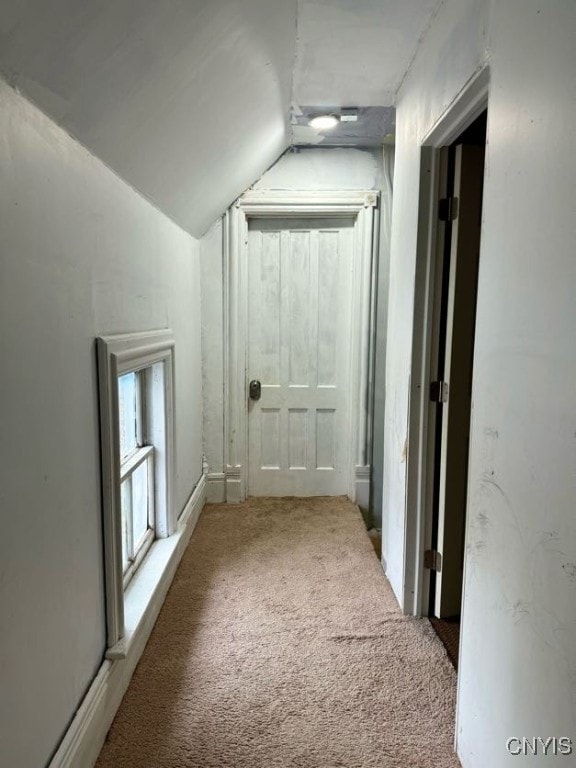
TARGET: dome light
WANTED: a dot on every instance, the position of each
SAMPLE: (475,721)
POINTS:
(324,122)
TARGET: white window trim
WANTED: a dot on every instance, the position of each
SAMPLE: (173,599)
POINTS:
(143,455)
(117,355)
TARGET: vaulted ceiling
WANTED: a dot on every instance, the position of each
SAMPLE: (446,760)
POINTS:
(190,101)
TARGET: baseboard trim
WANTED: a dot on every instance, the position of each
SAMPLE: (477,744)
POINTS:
(216,487)
(234,486)
(85,736)
(362,487)
(192,509)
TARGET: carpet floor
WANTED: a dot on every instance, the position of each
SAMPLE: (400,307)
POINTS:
(280,645)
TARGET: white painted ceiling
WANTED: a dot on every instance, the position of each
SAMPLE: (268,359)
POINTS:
(191,100)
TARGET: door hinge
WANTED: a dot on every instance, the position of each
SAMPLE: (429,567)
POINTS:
(433,560)
(448,208)
(439,391)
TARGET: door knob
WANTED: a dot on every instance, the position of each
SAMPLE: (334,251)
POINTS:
(255,389)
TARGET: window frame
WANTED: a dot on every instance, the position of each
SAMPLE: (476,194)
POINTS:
(153,353)
(142,453)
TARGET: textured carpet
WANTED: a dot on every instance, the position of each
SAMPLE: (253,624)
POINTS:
(280,645)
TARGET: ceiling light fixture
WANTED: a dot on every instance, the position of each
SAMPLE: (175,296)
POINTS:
(324,122)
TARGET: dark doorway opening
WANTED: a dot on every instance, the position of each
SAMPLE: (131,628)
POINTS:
(455,297)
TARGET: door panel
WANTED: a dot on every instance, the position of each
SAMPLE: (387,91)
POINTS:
(325,438)
(270,438)
(297,438)
(299,327)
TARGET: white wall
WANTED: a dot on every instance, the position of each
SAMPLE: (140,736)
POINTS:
(212,278)
(81,255)
(324,169)
(381,320)
(518,662)
(301,169)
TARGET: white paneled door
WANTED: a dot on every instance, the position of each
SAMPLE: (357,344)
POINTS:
(299,331)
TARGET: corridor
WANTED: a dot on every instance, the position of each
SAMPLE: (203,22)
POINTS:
(280,644)
(230,255)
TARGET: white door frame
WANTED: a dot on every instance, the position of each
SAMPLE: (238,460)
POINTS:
(470,103)
(261,204)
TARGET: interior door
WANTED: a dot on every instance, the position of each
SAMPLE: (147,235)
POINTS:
(299,342)
(458,356)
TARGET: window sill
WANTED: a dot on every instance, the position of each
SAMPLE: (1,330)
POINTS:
(144,588)
(148,587)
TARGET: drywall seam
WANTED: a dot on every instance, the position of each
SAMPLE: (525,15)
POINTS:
(293,73)
(423,34)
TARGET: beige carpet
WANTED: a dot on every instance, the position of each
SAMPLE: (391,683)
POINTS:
(280,645)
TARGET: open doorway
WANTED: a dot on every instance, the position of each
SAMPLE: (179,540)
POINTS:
(461,178)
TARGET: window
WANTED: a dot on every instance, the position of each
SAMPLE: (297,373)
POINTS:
(136,472)
(136,411)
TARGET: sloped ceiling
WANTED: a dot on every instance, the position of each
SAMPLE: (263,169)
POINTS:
(356,52)
(191,100)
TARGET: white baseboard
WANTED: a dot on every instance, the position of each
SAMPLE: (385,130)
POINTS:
(362,487)
(234,487)
(216,487)
(191,512)
(85,736)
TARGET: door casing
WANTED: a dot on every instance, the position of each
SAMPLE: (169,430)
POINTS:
(261,204)
(471,102)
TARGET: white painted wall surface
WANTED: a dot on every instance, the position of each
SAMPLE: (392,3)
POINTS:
(381,319)
(325,169)
(212,277)
(518,660)
(81,254)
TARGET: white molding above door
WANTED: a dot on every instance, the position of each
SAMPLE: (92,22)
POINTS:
(359,205)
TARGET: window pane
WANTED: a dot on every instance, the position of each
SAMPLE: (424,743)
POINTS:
(140,503)
(125,505)
(128,405)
